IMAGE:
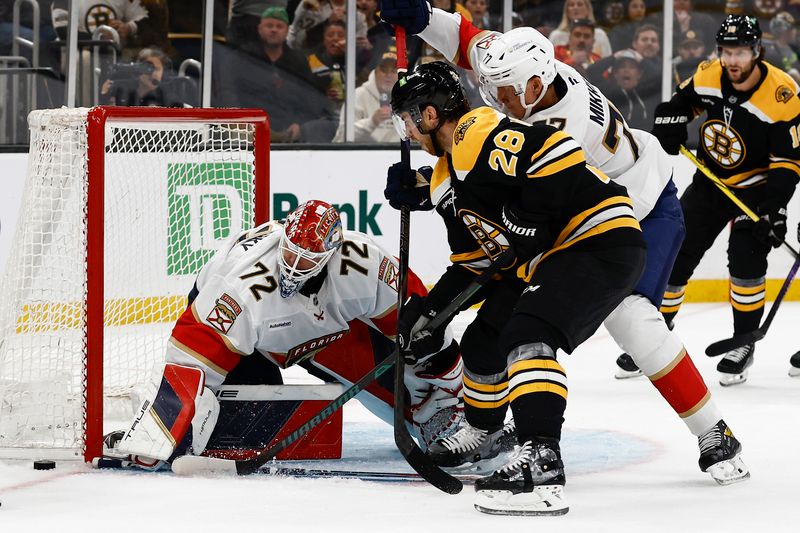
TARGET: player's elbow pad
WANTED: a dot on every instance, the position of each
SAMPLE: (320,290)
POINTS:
(176,417)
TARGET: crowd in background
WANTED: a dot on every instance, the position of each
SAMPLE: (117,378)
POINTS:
(288,56)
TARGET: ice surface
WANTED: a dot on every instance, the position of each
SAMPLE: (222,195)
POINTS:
(631,465)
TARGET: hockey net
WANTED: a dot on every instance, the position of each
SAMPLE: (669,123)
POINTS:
(122,206)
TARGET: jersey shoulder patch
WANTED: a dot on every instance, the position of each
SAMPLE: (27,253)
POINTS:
(470,135)
(777,97)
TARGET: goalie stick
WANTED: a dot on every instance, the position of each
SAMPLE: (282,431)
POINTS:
(737,341)
(187,465)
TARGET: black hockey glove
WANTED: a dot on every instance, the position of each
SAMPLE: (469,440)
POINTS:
(413,15)
(409,188)
(771,226)
(669,127)
(529,232)
(416,341)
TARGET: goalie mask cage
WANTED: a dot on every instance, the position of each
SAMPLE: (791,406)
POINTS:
(122,206)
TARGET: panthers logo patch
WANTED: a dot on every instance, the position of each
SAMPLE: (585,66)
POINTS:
(783,94)
(461,131)
(722,143)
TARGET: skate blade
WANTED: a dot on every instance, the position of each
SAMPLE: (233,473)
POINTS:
(627,374)
(794,371)
(545,500)
(484,466)
(730,471)
(728,380)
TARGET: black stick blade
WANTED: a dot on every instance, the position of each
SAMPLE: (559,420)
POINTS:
(737,341)
(426,468)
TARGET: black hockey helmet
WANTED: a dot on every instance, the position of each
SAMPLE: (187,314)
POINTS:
(432,84)
(739,30)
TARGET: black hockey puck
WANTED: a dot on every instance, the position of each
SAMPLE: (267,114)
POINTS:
(44,465)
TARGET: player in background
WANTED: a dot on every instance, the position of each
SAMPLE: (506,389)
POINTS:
(750,139)
(579,251)
(296,292)
(520,75)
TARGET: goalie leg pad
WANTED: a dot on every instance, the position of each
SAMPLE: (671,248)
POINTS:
(640,330)
(176,417)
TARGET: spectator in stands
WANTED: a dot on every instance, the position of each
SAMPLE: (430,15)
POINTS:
(379,39)
(625,89)
(479,10)
(310,18)
(687,18)
(123,16)
(691,52)
(778,50)
(146,82)
(575,10)
(646,41)
(613,14)
(241,31)
(578,51)
(621,35)
(373,112)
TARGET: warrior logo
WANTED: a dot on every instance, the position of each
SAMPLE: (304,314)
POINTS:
(722,143)
(224,313)
(461,131)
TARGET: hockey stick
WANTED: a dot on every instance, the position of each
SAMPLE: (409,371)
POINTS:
(408,447)
(187,465)
(737,341)
(729,193)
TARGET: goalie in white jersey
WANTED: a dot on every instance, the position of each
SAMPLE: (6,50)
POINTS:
(520,76)
(302,291)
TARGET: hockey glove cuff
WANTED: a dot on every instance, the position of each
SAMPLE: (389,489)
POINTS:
(771,226)
(413,15)
(406,187)
(670,127)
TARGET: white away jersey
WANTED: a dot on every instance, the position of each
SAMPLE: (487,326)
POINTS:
(239,308)
(630,157)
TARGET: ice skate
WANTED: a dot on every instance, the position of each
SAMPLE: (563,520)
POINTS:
(530,483)
(508,440)
(468,445)
(794,365)
(733,367)
(720,455)
(626,368)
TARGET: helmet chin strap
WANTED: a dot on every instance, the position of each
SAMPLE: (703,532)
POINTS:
(529,107)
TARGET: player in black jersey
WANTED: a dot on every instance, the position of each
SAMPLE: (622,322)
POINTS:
(750,139)
(502,183)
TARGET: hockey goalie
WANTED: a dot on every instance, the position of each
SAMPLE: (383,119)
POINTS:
(296,292)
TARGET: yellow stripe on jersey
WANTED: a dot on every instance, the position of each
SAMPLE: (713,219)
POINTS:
(440,180)
(562,163)
(581,217)
(746,179)
(787,164)
(467,256)
(470,135)
(549,143)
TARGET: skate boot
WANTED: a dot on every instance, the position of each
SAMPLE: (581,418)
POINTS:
(467,445)
(530,483)
(720,455)
(626,368)
(508,439)
(794,365)
(733,367)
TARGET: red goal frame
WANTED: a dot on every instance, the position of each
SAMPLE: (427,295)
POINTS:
(97,119)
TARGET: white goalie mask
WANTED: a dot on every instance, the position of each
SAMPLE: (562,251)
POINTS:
(510,61)
(311,235)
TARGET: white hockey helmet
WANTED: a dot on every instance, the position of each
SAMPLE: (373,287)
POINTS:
(513,59)
(311,235)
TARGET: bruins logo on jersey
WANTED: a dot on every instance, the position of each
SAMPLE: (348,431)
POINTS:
(705,64)
(489,235)
(722,143)
(99,15)
(461,131)
(783,94)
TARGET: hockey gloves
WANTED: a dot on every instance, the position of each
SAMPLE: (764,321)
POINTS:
(408,187)
(416,341)
(670,127)
(413,15)
(528,232)
(771,226)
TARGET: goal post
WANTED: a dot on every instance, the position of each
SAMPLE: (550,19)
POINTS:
(122,207)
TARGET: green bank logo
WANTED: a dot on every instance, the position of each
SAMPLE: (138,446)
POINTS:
(206,203)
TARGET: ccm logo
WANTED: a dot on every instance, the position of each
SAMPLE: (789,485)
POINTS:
(671,120)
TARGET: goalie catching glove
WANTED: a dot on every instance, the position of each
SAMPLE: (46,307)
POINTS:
(669,127)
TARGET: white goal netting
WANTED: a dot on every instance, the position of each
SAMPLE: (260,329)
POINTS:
(174,190)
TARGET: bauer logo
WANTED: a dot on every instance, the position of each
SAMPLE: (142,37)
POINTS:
(207,204)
